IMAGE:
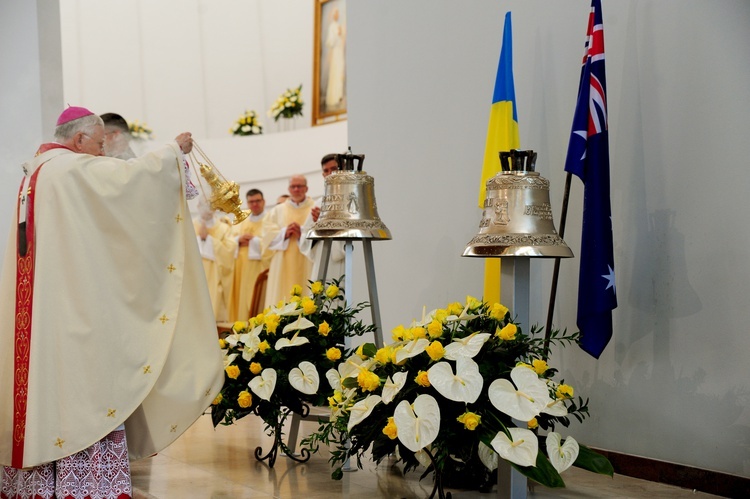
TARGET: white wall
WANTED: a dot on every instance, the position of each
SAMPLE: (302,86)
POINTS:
(673,382)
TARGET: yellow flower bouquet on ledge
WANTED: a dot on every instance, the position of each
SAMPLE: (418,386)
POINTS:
(288,105)
(140,130)
(274,363)
(456,392)
(247,124)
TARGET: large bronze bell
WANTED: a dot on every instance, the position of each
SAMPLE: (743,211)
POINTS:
(517,217)
(348,209)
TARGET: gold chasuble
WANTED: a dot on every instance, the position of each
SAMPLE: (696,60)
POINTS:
(218,264)
(288,266)
(250,262)
(121,329)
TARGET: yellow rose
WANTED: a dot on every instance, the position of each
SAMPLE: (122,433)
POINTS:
(218,399)
(408,334)
(383,355)
(470,420)
(498,311)
(255,367)
(523,364)
(507,333)
(440,315)
(564,392)
(455,308)
(272,322)
(397,333)
(293,299)
(435,350)
(324,329)
(264,345)
(239,326)
(532,424)
(390,429)
(308,305)
(540,366)
(367,380)
(435,329)
(418,333)
(232,371)
(332,291)
(473,303)
(333,353)
(316,288)
(422,379)
(245,400)
(336,399)
(222,343)
(296,290)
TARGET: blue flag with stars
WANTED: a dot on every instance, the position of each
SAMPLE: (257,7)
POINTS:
(588,158)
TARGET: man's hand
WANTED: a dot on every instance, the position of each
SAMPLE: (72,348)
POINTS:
(315,213)
(245,239)
(292,230)
(185,141)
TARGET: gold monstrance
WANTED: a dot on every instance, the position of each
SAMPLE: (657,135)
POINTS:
(225,194)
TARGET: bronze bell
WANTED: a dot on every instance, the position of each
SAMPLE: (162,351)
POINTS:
(348,209)
(517,217)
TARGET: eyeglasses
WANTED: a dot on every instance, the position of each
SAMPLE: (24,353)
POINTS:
(100,143)
(296,186)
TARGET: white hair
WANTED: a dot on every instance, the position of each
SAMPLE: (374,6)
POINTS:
(86,124)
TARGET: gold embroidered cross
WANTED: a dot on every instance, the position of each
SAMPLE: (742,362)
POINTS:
(147,370)
(164,319)
(171,268)
(178,218)
(208,392)
(59,442)
(173,428)
(111,413)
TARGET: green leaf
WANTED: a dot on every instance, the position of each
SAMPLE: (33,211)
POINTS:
(349,383)
(369,349)
(543,473)
(593,461)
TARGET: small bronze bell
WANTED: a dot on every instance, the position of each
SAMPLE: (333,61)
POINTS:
(517,217)
(348,209)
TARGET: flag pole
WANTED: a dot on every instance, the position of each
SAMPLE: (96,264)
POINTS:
(556,271)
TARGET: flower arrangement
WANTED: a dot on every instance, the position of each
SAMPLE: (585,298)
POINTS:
(288,105)
(140,130)
(447,394)
(247,124)
(274,362)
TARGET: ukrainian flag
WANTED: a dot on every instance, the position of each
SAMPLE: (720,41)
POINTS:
(502,135)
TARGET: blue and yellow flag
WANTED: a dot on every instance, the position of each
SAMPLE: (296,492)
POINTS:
(502,135)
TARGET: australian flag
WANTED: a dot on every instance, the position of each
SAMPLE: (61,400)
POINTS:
(588,158)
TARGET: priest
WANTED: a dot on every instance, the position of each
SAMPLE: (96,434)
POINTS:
(106,328)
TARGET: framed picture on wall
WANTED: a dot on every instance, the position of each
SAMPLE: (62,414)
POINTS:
(329,62)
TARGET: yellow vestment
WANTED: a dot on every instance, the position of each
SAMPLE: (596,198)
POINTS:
(218,252)
(250,262)
(122,329)
(288,266)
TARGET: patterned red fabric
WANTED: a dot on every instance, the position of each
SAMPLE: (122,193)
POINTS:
(101,471)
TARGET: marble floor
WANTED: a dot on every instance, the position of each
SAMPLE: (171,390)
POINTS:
(219,464)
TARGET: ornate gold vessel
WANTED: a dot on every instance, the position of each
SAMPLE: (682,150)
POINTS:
(225,194)
(348,209)
(517,217)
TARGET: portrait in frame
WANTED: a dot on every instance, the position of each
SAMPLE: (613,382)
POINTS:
(329,62)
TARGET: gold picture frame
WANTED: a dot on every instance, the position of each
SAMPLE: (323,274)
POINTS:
(329,100)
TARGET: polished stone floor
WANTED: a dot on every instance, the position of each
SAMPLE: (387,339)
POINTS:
(219,464)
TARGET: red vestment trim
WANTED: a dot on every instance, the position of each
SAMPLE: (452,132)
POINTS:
(24,299)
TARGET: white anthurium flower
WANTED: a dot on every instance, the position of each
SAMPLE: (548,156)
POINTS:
(562,456)
(332,375)
(359,411)
(522,449)
(464,386)
(298,325)
(393,386)
(232,339)
(305,378)
(254,332)
(291,308)
(294,341)
(264,384)
(556,408)
(252,345)
(353,365)
(466,347)
(488,456)
(228,359)
(427,318)
(523,403)
(412,349)
(419,423)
